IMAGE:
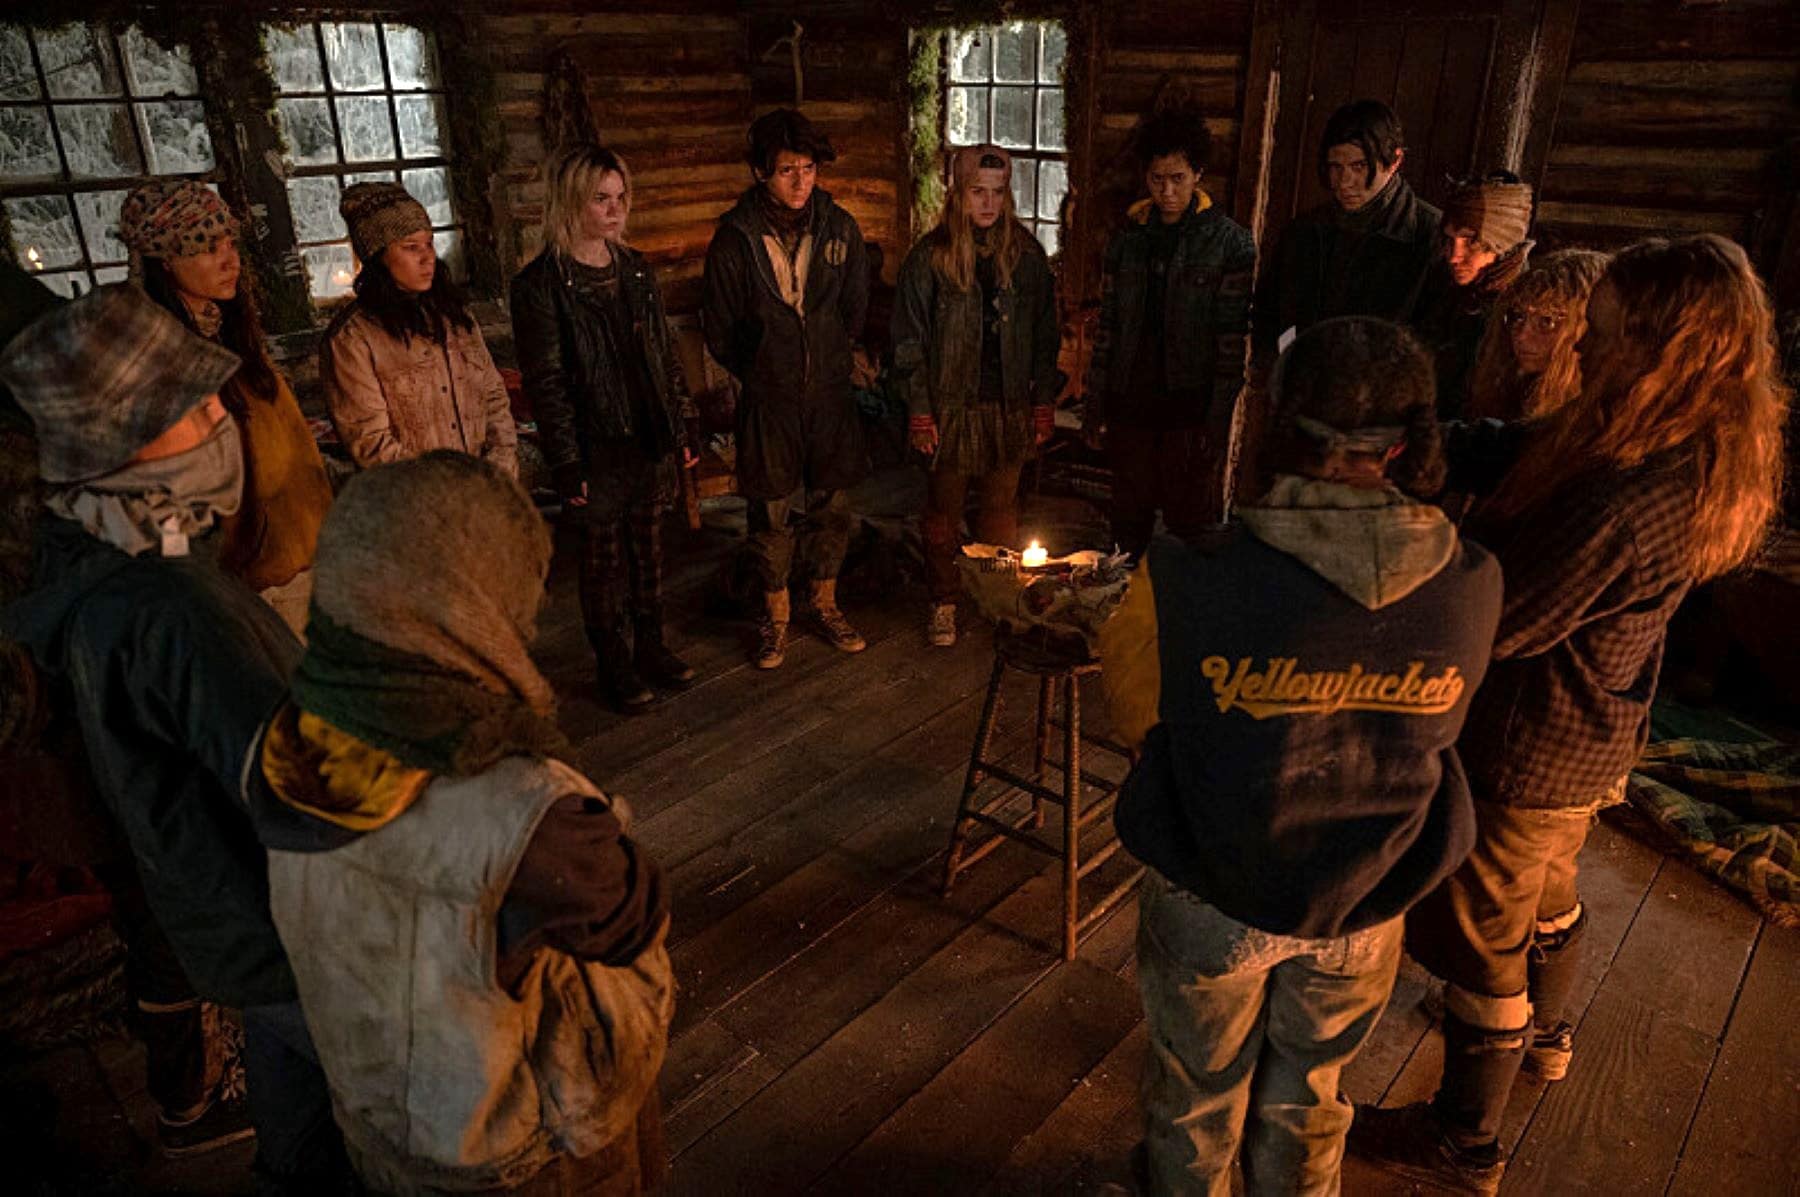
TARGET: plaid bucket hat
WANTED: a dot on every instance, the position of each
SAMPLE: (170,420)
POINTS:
(104,376)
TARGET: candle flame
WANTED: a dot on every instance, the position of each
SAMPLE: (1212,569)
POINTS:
(1034,556)
(32,255)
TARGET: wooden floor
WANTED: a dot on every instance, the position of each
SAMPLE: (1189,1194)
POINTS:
(842,1029)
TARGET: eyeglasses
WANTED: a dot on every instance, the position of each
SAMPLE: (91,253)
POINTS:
(1544,323)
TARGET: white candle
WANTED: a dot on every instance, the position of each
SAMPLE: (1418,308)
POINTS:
(1034,556)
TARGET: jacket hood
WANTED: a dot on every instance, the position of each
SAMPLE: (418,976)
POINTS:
(1377,546)
(1140,212)
(330,775)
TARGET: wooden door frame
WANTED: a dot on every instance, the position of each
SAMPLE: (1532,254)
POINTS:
(1525,84)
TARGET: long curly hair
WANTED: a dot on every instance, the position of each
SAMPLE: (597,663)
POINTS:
(953,242)
(1558,283)
(1698,371)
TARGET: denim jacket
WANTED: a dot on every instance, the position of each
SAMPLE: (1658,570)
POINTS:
(1206,311)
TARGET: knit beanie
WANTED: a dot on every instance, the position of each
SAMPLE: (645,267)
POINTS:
(1496,211)
(104,376)
(379,214)
(972,158)
(172,218)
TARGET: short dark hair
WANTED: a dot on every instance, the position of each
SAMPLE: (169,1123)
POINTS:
(785,129)
(1371,127)
(1175,131)
(1355,373)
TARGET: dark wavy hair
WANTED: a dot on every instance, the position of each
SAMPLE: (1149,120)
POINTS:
(404,314)
(1175,131)
(1370,126)
(241,332)
(1355,374)
(785,129)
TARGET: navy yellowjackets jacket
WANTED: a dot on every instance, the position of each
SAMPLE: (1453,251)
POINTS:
(1298,694)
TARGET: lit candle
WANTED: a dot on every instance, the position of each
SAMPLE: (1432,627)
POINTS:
(31,255)
(1034,556)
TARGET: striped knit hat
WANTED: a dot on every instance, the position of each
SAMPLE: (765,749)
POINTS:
(379,214)
(1496,209)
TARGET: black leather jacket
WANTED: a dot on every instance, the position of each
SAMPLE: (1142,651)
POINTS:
(576,389)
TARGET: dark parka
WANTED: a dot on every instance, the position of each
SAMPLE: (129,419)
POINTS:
(1385,274)
(1206,310)
(576,388)
(171,667)
(937,342)
(796,419)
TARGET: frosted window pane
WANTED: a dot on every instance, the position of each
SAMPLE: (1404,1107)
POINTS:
(370,176)
(99,213)
(1012,117)
(421,127)
(18,78)
(306,127)
(1015,53)
(410,61)
(26,151)
(448,244)
(155,71)
(294,53)
(175,132)
(966,121)
(111,274)
(70,286)
(1056,49)
(1053,184)
(368,135)
(314,203)
(78,62)
(329,271)
(1024,187)
(43,232)
(1050,119)
(97,141)
(971,52)
(431,187)
(353,55)
(1050,236)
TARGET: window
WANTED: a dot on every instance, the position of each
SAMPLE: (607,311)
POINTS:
(1004,85)
(359,101)
(85,114)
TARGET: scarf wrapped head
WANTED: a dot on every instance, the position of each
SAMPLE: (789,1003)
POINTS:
(170,218)
(427,585)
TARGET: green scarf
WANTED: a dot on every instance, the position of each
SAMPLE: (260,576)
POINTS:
(428,716)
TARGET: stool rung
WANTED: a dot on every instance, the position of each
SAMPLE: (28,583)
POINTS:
(1105,742)
(1112,899)
(1092,779)
(1097,809)
(1031,787)
(1011,832)
(1100,856)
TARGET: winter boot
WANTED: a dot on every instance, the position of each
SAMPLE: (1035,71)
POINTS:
(620,684)
(221,1121)
(655,660)
(772,633)
(831,622)
(940,625)
(1411,1142)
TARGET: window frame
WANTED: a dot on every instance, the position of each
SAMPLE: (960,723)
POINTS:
(991,86)
(65,184)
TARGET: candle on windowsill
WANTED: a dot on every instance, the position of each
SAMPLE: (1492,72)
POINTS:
(1034,556)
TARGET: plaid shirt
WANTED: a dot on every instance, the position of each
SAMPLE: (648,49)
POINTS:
(1592,579)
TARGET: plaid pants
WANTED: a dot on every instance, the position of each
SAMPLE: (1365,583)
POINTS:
(621,568)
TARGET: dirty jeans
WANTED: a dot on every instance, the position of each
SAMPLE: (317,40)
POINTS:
(1248,1034)
(824,535)
(996,521)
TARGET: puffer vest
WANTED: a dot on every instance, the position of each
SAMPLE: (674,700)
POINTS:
(440,1079)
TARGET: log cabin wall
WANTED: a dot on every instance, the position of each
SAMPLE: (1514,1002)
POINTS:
(853,63)
(1672,119)
(664,83)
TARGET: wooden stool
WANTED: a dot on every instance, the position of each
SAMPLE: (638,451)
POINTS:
(1053,669)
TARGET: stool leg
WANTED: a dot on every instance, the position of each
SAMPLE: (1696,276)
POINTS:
(1046,702)
(1071,811)
(984,738)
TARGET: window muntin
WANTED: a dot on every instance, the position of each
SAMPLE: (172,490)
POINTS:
(359,101)
(86,113)
(1004,84)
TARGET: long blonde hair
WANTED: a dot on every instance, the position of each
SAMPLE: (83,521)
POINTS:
(1695,312)
(953,251)
(569,182)
(1558,282)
